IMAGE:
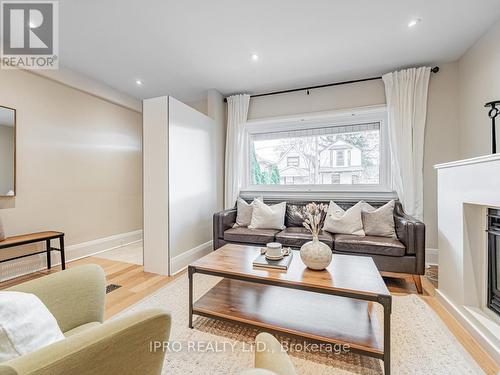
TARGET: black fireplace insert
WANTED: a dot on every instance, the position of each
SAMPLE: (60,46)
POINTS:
(494,260)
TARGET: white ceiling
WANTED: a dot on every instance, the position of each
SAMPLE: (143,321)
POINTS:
(185,47)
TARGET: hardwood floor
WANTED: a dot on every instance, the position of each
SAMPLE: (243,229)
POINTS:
(137,284)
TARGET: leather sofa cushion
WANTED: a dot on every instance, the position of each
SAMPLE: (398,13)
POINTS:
(294,215)
(297,236)
(251,236)
(349,243)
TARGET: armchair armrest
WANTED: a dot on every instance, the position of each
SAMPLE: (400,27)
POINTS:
(271,356)
(121,346)
(411,232)
(223,220)
(74,296)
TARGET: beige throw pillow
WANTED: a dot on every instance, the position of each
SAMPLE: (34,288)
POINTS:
(268,217)
(244,212)
(380,221)
(339,221)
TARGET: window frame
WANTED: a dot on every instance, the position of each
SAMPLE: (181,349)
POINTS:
(347,117)
(295,158)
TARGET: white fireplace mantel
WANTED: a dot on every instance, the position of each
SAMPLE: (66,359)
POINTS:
(466,188)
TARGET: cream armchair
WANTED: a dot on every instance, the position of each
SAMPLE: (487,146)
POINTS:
(76,298)
(270,358)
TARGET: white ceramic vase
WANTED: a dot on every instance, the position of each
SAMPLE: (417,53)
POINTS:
(316,255)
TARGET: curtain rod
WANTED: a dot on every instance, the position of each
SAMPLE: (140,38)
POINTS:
(433,70)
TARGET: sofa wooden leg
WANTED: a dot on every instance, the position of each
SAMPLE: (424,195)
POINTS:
(418,283)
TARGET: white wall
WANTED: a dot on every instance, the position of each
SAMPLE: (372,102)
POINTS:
(181,182)
(479,79)
(441,130)
(155,180)
(192,178)
(216,110)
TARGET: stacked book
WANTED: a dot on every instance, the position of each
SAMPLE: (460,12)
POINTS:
(281,264)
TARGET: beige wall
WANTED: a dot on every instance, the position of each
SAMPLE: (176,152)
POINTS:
(199,105)
(79,161)
(479,77)
(6,159)
(441,131)
(441,139)
(325,99)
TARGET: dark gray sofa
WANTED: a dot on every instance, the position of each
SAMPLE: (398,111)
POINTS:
(404,255)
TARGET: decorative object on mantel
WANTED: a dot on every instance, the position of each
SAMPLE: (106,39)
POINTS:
(2,232)
(492,114)
(316,255)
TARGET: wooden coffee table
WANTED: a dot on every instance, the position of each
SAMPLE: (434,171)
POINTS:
(333,306)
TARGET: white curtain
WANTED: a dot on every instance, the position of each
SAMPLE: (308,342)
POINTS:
(236,144)
(406,94)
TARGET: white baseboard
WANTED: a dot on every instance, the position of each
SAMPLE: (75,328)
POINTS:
(460,314)
(431,257)
(23,266)
(180,262)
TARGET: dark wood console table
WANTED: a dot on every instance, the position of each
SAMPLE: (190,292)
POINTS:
(26,239)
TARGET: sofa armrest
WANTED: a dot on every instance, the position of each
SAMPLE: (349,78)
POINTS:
(411,232)
(75,296)
(223,220)
(121,346)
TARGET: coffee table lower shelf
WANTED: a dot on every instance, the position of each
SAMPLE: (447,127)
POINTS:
(308,315)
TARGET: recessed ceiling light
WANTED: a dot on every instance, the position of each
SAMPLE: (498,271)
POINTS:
(254,57)
(138,82)
(414,22)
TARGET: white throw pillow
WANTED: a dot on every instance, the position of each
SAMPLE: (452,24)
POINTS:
(26,325)
(380,221)
(268,217)
(244,212)
(339,221)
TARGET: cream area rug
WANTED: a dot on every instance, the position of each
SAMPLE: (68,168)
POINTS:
(421,343)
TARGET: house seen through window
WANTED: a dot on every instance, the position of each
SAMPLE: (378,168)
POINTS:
(327,155)
(292,161)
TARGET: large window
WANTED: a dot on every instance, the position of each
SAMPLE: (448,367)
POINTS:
(331,153)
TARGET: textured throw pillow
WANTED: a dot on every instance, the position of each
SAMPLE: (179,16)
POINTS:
(26,325)
(339,221)
(380,221)
(244,212)
(268,217)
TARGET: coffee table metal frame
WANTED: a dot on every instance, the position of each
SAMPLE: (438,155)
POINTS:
(384,300)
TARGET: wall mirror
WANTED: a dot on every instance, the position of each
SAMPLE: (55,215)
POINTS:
(7,152)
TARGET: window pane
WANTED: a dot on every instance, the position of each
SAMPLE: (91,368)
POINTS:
(331,155)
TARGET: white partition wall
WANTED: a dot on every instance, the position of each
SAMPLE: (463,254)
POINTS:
(192,186)
(155,185)
(180,184)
